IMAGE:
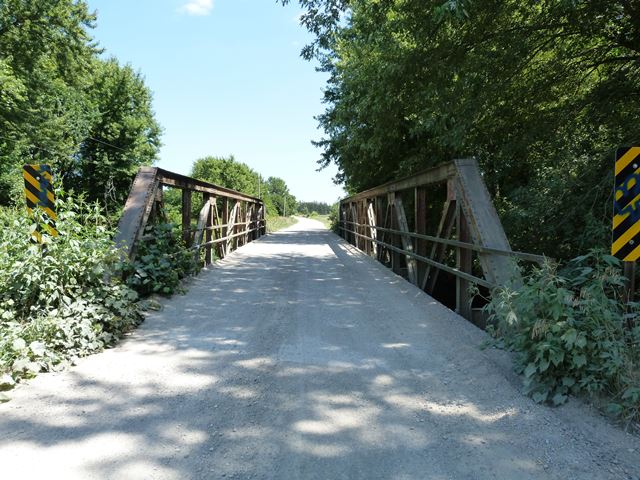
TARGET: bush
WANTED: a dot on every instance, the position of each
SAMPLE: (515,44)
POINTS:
(61,300)
(162,260)
(334,217)
(569,329)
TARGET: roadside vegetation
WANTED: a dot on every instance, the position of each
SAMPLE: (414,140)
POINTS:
(162,261)
(67,105)
(321,218)
(573,334)
(276,223)
(538,92)
(62,300)
(72,295)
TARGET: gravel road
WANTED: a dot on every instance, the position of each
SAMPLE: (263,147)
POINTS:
(298,357)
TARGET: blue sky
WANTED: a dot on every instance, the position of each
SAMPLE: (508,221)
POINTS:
(227,78)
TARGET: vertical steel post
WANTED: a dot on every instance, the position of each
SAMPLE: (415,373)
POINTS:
(186,217)
(421,228)
(206,198)
(464,263)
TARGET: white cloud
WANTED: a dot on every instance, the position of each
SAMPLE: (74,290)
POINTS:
(197,7)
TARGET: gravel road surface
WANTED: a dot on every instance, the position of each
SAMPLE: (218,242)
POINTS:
(298,357)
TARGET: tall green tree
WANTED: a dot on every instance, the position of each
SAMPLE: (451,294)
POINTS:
(122,136)
(227,172)
(541,93)
(91,119)
(45,59)
(278,194)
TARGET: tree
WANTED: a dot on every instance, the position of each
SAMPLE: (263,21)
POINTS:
(318,207)
(90,119)
(122,136)
(540,93)
(227,172)
(45,58)
(277,192)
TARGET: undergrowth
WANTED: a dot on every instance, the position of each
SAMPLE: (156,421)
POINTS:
(67,298)
(573,333)
(61,300)
(161,262)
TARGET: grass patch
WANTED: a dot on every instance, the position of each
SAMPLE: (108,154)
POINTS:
(326,221)
(278,223)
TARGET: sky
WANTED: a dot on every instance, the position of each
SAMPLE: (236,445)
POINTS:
(227,78)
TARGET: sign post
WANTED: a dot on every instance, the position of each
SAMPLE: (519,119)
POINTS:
(38,191)
(625,236)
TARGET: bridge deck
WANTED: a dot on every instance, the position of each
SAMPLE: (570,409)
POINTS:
(298,357)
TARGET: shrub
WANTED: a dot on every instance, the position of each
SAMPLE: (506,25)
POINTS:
(569,330)
(61,300)
(334,217)
(161,261)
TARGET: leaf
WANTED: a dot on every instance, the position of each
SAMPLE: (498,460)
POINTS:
(632,393)
(559,399)
(33,367)
(530,370)
(556,357)
(19,344)
(579,360)
(581,341)
(615,408)
(38,348)
(6,381)
(540,397)
(20,364)
(544,365)
(569,337)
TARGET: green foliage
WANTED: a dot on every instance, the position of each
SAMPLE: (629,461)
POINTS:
(320,208)
(122,136)
(278,195)
(568,328)
(539,92)
(61,301)
(334,218)
(227,172)
(162,261)
(62,104)
(275,223)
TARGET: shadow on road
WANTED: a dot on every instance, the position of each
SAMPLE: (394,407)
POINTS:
(296,357)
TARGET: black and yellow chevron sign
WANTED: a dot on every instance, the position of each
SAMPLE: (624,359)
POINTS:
(625,243)
(38,190)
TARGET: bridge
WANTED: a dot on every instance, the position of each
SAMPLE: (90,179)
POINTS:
(304,355)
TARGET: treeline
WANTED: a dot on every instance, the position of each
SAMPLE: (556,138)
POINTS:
(62,104)
(307,208)
(540,93)
(228,172)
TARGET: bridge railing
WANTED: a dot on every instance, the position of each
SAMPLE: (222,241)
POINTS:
(227,219)
(393,222)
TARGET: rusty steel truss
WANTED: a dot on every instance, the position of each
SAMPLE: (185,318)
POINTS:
(467,241)
(227,220)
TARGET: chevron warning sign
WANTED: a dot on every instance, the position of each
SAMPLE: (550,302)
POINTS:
(625,243)
(38,190)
